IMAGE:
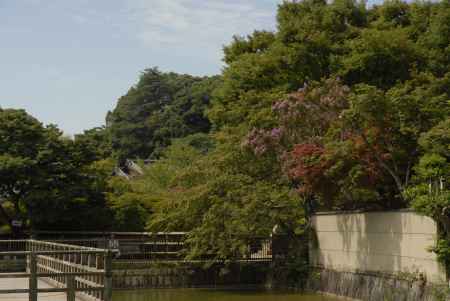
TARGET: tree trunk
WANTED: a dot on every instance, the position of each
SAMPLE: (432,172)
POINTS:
(395,177)
(5,215)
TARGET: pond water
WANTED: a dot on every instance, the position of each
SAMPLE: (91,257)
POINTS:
(213,295)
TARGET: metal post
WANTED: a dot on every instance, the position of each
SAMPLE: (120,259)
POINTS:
(71,288)
(108,276)
(33,285)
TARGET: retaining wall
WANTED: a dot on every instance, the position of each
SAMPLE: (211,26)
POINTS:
(365,255)
(186,275)
(375,286)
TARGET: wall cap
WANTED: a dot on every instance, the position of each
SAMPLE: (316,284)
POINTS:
(343,212)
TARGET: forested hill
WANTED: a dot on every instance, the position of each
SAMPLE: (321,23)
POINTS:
(343,107)
(160,107)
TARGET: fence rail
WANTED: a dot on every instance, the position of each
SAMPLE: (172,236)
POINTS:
(164,247)
(71,269)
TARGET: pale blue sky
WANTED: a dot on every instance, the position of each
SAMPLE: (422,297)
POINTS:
(67,61)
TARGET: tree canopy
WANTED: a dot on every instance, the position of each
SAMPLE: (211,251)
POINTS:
(160,107)
(46,180)
(334,105)
(343,106)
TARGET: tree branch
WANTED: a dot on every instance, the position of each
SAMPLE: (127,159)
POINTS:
(5,215)
(380,161)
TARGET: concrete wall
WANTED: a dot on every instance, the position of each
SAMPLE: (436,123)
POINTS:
(383,242)
(187,275)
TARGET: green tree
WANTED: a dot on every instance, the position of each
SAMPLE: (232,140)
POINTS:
(430,194)
(46,180)
(344,144)
(329,109)
(380,57)
(98,141)
(21,136)
(224,199)
(160,107)
(390,124)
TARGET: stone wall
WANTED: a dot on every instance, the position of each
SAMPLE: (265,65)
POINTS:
(366,255)
(184,275)
(374,286)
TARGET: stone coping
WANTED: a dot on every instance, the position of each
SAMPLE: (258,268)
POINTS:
(344,212)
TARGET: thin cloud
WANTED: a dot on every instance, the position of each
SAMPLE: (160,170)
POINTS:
(201,25)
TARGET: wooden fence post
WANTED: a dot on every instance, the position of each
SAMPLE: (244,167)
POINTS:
(33,283)
(108,276)
(71,288)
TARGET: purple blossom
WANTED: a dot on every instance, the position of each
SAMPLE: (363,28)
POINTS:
(259,140)
(276,133)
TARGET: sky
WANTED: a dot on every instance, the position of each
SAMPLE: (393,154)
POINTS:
(68,61)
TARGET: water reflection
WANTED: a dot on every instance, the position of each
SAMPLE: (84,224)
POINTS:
(213,295)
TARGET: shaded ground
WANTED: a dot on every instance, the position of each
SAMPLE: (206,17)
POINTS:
(21,283)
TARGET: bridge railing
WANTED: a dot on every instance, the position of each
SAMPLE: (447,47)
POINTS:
(128,245)
(158,246)
(74,270)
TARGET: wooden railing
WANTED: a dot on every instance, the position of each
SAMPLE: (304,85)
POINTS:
(75,270)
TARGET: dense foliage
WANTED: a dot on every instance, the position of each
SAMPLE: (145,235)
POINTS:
(430,193)
(333,105)
(344,106)
(160,107)
(47,180)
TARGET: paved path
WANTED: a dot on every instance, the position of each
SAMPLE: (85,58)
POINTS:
(21,283)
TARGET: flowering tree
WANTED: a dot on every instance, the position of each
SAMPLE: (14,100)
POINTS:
(348,149)
(317,153)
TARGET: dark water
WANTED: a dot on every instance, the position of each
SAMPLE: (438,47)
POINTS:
(212,295)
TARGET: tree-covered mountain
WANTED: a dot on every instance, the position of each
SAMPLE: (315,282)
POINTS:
(328,112)
(160,107)
(343,107)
